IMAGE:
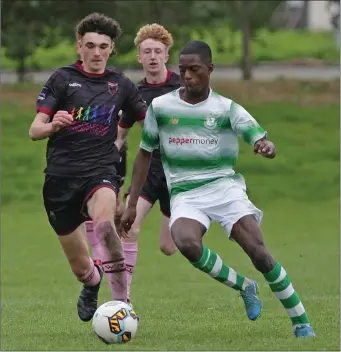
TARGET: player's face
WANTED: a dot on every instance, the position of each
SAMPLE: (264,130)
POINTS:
(194,73)
(94,50)
(153,55)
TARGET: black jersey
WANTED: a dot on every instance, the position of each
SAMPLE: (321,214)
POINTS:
(86,147)
(149,92)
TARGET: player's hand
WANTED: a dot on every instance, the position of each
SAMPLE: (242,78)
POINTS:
(61,119)
(265,148)
(127,221)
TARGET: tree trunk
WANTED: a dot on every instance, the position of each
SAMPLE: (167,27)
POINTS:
(21,70)
(247,41)
(156,12)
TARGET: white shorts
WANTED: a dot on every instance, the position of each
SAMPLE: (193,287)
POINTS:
(224,200)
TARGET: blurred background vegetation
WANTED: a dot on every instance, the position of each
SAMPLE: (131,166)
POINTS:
(241,33)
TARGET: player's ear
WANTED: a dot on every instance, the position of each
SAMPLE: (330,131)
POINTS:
(138,58)
(210,68)
(112,47)
(167,55)
(79,46)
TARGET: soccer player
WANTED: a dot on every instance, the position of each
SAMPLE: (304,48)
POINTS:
(77,110)
(197,130)
(153,42)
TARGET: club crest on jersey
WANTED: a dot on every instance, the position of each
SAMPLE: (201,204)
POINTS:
(174,121)
(113,87)
(211,122)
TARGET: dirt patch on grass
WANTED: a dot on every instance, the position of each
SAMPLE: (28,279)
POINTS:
(300,92)
(16,94)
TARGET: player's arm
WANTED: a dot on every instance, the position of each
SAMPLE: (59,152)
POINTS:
(48,120)
(123,129)
(41,127)
(134,107)
(251,131)
(149,142)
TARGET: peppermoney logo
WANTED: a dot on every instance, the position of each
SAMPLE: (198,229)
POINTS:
(195,141)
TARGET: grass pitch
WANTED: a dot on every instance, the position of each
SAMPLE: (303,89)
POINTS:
(181,308)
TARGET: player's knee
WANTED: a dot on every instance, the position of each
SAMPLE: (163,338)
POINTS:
(191,249)
(103,216)
(168,250)
(102,228)
(102,205)
(189,246)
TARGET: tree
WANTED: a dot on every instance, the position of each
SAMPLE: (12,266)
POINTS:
(249,16)
(25,26)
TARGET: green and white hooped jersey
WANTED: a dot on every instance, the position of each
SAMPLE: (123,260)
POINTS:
(198,143)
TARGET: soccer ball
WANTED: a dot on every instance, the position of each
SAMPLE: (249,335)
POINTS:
(115,322)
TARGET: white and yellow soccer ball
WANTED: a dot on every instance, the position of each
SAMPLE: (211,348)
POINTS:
(115,322)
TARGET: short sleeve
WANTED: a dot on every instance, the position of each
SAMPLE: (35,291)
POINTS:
(134,107)
(150,133)
(52,94)
(245,125)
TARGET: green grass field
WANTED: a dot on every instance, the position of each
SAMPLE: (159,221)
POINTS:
(180,308)
(282,45)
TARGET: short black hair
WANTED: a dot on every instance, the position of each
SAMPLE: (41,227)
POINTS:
(200,48)
(99,23)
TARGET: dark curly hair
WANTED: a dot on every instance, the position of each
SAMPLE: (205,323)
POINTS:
(99,23)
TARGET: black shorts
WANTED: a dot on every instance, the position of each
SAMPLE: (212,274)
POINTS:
(65,199)
(122,167)
(155,189)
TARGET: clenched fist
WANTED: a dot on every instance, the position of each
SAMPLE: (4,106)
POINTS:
(265,148)
(61,119)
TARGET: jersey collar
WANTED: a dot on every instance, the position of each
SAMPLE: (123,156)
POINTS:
(79,65)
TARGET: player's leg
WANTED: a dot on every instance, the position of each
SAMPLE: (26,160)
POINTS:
(100,205)
(130,243)
(167,244)
(63,203)
(188,224)
(248,235)
(121,170)
(85,269)
(242,221)
(119,207)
